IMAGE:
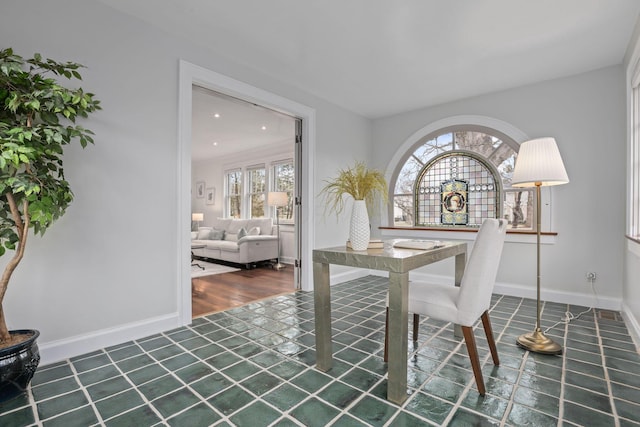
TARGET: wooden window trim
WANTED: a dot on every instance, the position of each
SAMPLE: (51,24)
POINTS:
(473,230)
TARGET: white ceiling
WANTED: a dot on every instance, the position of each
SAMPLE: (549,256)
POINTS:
(381,57)
(239,127)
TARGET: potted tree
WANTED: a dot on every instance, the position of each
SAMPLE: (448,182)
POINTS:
(368,188)
(37,119)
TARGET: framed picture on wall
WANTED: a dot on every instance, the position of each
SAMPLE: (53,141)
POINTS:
(200,190)
(210,196)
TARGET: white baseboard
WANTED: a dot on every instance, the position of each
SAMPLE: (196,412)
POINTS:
(351,274)
(632,324)
(584,299)
(55,351)
(563,297)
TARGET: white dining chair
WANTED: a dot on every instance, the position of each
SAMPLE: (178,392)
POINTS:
(466,304)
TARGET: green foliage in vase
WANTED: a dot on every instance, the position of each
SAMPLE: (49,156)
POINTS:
(359,182)
(37,119)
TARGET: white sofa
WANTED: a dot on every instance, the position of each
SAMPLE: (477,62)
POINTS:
(240,241)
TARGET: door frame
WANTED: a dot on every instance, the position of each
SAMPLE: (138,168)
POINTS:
(189,75)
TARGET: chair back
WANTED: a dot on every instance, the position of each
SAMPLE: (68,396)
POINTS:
(481,271)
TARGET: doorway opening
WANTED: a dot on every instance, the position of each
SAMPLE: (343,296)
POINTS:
(191,75)
(243,166)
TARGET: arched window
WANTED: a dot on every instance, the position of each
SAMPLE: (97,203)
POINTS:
(457,177)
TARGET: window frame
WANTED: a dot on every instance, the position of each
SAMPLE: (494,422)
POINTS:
(249,196)
(433,134)
(633,207)
(228,194)
(270,185)
(290,192)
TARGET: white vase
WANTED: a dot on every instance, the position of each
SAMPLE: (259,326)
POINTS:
(359,232)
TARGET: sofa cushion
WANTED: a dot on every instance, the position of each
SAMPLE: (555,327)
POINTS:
(241,233)
(231,237)
(217,234)
(264,224)
(221,223)
(203,233)
(235,225)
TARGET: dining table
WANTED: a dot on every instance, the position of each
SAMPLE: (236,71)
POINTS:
(398,262)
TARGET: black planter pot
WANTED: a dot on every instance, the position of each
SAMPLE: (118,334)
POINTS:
(18,363)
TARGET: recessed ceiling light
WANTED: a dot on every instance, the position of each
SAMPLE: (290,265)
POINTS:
(264,128)
(215,144)
(216,115)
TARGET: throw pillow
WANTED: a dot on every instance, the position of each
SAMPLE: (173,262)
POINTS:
(217,234)
(241,233)
(254,231)
(203,234)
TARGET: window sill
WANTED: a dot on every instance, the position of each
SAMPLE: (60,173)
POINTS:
(514,236)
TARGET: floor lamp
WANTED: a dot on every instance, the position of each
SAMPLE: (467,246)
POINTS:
(539,164)
(278,199)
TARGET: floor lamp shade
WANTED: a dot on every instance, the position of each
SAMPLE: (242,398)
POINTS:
(277,198)
(539,161)
(538,164)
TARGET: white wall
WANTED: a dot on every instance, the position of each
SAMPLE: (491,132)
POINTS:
(108,270)
(585,114)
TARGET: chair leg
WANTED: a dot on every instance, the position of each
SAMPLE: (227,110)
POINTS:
(416,324)
(470,340)
(486,323)
(386,336)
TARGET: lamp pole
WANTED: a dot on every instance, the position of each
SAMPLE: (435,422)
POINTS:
(278,199)
(537,341)
(538,163)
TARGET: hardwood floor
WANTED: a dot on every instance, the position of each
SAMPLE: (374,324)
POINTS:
(210,294)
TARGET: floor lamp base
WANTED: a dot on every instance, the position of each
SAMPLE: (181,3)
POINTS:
(537,342)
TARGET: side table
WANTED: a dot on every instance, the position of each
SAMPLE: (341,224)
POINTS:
(196,246)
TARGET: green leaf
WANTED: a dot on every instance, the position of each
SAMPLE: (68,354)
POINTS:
(34,108)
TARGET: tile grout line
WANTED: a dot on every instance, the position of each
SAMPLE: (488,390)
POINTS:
(563,371)
(612,402)
(34,407)
(359,311)
(507,410)
(284,413)
(525,356)
(86,395)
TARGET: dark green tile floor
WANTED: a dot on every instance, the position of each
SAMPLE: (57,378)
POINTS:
(254,366)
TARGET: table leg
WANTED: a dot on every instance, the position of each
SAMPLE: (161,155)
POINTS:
(461,261)
(322,304)
(398,330)
(195,263)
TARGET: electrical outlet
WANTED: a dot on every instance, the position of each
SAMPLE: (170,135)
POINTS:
(591,276)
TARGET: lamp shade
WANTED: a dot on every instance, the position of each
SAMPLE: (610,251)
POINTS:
(197,217)
(539,161)
(277,198)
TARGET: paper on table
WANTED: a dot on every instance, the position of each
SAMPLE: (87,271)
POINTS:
(417,244)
